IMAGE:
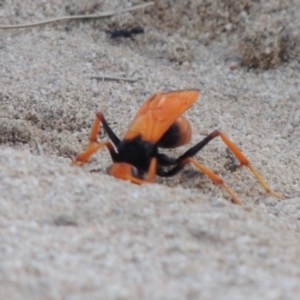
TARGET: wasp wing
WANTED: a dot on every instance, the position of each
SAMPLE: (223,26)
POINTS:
(158,113)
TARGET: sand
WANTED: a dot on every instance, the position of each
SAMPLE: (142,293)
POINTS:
(76,233)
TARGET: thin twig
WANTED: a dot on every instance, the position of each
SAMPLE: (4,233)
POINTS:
(113,78)
(38,147)
(93,16)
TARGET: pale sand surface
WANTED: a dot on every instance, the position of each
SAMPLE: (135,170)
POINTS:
(68,233)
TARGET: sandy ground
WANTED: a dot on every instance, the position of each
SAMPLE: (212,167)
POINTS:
(69,233)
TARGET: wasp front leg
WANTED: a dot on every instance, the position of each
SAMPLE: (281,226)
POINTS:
(94,145)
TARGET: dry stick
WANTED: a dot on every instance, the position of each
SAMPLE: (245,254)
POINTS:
(38,147)
(113,78)
(93,16)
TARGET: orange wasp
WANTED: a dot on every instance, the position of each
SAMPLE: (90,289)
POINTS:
(159,124)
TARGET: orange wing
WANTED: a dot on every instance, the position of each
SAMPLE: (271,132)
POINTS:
(158,113)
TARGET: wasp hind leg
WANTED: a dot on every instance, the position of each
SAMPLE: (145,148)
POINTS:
(214,178)
(187,157)
(236,151)
(243,161)
(184,160)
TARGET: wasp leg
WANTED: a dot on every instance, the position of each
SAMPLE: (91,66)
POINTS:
(110,133)
(182,161)
(164,160)
(215,178)
(152,170)
(245,162)
(235,150)
(94,145)
(151,174)
(91,149)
